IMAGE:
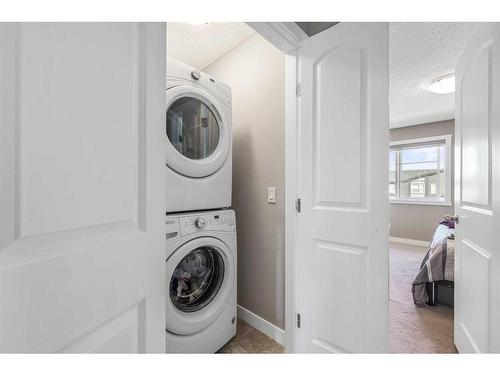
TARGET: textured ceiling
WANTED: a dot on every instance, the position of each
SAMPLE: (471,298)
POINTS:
(420,52)
(200,45)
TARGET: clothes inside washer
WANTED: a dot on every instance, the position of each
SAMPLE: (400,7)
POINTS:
(196,279)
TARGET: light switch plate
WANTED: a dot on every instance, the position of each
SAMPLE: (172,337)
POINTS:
(271,194)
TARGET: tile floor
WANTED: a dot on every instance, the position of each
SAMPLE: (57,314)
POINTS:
(250,340)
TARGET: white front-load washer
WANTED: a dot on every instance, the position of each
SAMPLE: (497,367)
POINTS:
(198,140)
(201,277)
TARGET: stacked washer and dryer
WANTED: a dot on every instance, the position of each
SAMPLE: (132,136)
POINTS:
(200,229)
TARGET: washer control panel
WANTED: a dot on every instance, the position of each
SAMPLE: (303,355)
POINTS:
(218,221)
(221,221)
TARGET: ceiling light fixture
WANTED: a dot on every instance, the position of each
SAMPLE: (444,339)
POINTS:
(443,85)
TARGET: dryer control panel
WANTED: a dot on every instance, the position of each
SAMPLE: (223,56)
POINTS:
(217,221)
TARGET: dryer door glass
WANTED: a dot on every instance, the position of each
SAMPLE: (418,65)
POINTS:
(197,279)
(192,128)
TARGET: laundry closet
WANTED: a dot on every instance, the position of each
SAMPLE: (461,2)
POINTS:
(224,140)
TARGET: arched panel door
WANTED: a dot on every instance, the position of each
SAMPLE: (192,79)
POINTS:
(343,153)
(81,254)
(477,191)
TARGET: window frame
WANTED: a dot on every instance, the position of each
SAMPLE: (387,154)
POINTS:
(429,201)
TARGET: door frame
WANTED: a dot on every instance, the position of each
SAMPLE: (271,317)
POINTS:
(287,37)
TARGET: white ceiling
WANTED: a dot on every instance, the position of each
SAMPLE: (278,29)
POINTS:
(420,52)
(200,45)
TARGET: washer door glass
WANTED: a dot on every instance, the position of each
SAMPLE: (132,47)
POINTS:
(197,279)
(192,128)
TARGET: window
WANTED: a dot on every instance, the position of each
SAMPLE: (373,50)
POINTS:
(420,171)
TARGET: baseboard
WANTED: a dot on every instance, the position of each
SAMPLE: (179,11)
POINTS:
(409,241)
(268,329)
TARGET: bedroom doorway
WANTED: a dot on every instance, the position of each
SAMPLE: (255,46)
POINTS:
(421,250)
(421,190)
(442,174)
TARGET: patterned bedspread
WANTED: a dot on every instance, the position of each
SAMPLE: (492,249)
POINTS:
(438,265)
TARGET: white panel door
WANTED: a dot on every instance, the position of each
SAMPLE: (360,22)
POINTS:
(342,259)
(82,187)
(477,194)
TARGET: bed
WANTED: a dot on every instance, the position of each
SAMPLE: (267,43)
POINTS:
(437,271)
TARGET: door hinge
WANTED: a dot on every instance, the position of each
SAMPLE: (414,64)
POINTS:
(298,205)
(298,320)
(298,89)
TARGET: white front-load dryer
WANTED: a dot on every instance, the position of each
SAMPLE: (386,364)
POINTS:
(198,140)
(201,277)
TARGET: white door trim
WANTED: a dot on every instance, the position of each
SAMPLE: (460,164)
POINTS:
(291,196)
(287,37)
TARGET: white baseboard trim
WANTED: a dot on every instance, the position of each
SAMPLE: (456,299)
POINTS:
(409,241)
(268,329)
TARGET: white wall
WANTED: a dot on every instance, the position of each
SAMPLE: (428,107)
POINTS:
(255,70)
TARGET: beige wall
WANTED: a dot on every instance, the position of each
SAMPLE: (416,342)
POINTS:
(255,70)
(418,222)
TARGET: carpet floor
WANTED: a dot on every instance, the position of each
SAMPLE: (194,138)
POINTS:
(414,329)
